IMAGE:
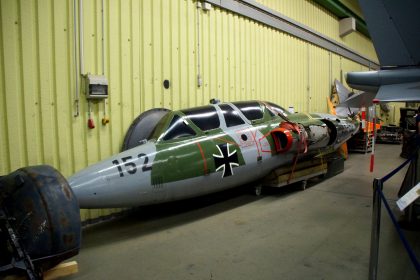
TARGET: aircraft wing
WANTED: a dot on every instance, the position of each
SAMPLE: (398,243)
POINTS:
(395,30)
(406,92)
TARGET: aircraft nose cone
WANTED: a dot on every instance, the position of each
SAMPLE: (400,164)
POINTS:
(87,189)
(122,180)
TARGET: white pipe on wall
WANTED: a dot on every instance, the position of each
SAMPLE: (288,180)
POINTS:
(103,48)
(81,42)
(76,69)
(308,79)
(199,78)
(103,38)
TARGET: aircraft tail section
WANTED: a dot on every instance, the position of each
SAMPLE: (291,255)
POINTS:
(394,28)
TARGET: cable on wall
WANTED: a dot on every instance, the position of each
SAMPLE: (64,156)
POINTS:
(76,68)
(199,79)
(105,119)
(81,40)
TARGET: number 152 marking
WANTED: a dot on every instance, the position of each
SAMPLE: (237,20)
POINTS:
(130,167)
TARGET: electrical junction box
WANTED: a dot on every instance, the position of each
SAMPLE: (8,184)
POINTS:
(96,87)
(206,6)
(347,26)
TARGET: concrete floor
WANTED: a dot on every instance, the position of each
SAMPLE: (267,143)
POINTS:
(320,233)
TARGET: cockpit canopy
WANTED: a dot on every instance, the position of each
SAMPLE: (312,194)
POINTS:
(191,122)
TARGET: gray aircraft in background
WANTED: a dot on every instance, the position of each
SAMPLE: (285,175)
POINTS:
(394,27)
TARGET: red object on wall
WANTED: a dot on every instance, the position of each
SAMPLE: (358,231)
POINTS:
(91,124)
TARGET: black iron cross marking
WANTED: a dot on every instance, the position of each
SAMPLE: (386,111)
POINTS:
(225,160)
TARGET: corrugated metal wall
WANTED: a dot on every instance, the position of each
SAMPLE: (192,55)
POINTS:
(146,42)
(320,19)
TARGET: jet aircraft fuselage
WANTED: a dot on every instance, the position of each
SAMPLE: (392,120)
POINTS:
(206,149)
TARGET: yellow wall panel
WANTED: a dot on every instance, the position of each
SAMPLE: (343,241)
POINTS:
(319,81)
(12,84)
(62,112)
(394,114)
(318,18)
(4,135)
(146,42)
